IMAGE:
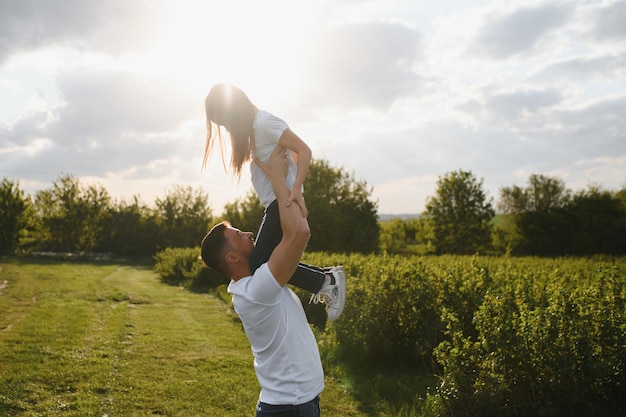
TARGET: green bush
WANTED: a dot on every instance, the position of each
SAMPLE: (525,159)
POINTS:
(505,336)
(182,266)
(550,343)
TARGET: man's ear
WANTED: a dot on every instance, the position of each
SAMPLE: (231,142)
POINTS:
(231,257)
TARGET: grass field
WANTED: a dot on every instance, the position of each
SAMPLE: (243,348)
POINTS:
(99,339)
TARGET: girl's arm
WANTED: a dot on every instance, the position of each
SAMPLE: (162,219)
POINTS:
(292,142)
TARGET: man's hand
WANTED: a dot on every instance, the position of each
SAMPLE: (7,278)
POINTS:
(276,167)
(297,197)
(286,256)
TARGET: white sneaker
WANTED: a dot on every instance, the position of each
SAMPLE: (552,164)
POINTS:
(333,295)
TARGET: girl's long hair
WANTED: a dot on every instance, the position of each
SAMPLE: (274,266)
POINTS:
(228,106)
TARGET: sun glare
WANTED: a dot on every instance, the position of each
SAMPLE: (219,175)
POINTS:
(256,45)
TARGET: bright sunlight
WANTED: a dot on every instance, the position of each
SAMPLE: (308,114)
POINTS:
(244,42)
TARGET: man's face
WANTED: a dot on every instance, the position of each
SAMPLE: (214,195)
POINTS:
(241,242)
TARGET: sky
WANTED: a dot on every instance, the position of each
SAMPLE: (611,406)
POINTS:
(397,93)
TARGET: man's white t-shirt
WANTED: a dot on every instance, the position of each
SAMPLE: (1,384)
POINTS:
(267,131)
(286,357)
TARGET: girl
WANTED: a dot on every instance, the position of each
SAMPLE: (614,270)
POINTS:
(255,134)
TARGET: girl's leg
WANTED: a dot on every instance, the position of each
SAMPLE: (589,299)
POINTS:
(267,237)
(307,277)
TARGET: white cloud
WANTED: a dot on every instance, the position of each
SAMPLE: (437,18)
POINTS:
(397,92)
(607,21)
(108,105)
(581,69)
(509,32)
(364,64)
(511,108)
(112,26)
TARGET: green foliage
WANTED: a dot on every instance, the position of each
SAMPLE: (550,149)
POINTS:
(505,234)
(72,217)
(131,230)
(245,213)
(598,223)
(505,336)
(383,322)
(537,215)
(408,237)
(544,342)
(182,266)
(546,219)
(15,216)
(342,216)
(460,214)
(542,194)
(542,219)
(183,217)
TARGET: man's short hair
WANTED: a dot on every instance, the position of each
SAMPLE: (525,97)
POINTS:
(214,248)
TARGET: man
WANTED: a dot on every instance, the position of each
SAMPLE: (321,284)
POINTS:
(286,358)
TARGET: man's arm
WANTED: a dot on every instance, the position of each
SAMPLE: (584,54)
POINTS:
(286,256)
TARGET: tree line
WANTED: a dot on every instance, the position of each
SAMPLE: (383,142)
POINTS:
(77,218)
(543,218)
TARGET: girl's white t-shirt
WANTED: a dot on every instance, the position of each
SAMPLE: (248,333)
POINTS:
(267,132)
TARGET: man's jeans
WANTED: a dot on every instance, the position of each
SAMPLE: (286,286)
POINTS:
(310,409)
